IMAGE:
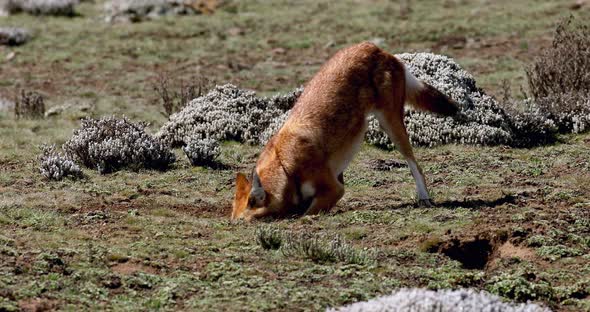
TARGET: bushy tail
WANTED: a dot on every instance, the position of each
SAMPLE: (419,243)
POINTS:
(427,98)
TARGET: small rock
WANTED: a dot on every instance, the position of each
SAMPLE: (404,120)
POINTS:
(578,4)
(278,51)
(54,111)
(10,56)
(330,44)
(380,42)
(236,31)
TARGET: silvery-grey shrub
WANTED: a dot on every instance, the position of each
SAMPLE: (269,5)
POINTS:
(40,7)
(569,111)
(110,144)
(422,300)
(229,113)
(138,10)
(225,113)
(55,165)
(202,152)
(481,120)
(13,36)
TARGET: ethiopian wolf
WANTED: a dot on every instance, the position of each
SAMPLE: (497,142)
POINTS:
(300,168)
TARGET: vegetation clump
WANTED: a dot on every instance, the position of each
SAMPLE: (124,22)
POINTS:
(556,252)
(520,286)
(564,68)
(56,166)
(225,113)
(13,36)
(202,152)
(110,144)
(317,248)
(40,7)
(560,84)
(269,237)
(229,113)
(29,105)
(139,10)
(320,249)
(174,100)
(417,300)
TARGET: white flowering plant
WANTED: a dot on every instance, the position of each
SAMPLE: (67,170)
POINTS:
(40,7)
(55,165)
(109,144)
(423,300)
(13,36)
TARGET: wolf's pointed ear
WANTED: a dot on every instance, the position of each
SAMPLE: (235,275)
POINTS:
(257,194)
(242,183)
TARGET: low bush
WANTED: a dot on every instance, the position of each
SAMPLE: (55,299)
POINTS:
(202,152)
(225,113)
(139,10)
(322,249)
(29,105)
(110,144)
(564,67)
(229,113)
(269,237)
(422,300)
(173,100)
(559,78)
(54,165)
(13,36)
(40,7)
(315,247)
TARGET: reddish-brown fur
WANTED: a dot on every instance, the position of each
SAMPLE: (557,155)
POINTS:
(325,128)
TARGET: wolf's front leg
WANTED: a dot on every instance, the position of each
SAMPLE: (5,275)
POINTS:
(327,192)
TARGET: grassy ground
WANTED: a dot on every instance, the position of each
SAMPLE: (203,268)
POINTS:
(153,240)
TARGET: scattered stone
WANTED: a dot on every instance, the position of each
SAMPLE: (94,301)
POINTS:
(236,31)
(74,108)
(6,105)
(380,42)
(578,4)
(54,111)
(10,56)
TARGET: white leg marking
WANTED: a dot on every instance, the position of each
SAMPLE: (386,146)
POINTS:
(412,83)
(420,182)
(418,177)
(307,190)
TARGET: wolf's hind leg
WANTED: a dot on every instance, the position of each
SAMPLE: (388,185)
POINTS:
(393,125)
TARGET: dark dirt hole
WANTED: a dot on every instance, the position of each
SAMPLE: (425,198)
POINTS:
(473,253)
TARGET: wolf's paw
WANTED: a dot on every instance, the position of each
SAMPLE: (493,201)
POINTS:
(427,203)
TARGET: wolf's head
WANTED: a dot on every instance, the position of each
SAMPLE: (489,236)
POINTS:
(249,197)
